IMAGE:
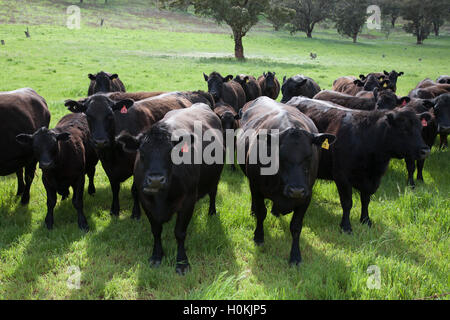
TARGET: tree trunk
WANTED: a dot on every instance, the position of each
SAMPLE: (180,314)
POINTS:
(308,34)
(238,47)
(354,37)
(419,39)
(436,29)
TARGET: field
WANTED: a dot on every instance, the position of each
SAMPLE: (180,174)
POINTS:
(152,51)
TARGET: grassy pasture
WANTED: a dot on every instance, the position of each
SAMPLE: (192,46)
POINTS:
(409,241)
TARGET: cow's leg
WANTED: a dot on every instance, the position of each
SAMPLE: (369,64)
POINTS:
(443,141)
(91,174)
(420,164)
(345,195)
(115,206)
(365,200)
(296,229)
(51,202)
(212,201)
(29,176)
(136,213)
(20,183)
(260,211)
(183,218)
(411,167)
(157,254)
(77,201)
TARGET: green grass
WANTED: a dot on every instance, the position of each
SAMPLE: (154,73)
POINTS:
(408,242)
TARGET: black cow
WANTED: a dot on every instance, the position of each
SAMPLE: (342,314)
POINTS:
(251,87)
(443,80)
(230,121)
(225,89)
(290,188)
(366,141)
(385,99)
(65,155)
(108,118)
(429,133)
(21,111)
(391,76)
(105,82)
(165,186)
(270,86)
(298,85)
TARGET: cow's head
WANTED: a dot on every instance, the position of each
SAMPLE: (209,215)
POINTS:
(45,145)
(270,79)
(297,160)
(103,81)
(404,134)
(441,111)
(393,77)
(292,87)
(443,80)
(215,84)
(388,100)
(100,112)
(154,164)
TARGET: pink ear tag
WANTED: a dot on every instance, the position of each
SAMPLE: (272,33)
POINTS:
(124,110)
(424,123)
(185,148)
(404,103)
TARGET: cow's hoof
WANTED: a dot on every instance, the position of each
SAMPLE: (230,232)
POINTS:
(114,213)
(83,227)
(212,212)
(25,199)
(155,262)
(91,190)
(49,225)
(295,262)
(136,216)
(346,229)
(367,221)
(182,268)
(258,241)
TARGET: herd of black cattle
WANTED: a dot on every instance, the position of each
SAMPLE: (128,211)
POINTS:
(347,134)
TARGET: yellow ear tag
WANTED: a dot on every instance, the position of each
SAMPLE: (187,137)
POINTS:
(385,85)
(246,81)
(326,145)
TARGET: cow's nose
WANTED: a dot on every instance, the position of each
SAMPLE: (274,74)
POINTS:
(154,183)
(297,193)
(45,164)
(100,143)
(424,153)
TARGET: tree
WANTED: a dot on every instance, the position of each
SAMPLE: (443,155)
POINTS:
(308,13)
(391,9)
(279,14)
(350,16)
(419,13)
(239,15)
(439,13)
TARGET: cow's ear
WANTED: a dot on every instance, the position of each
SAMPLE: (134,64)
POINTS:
(403,101)
(114,76)
(274,73)
(302,83)
(128,142)
(425,116)
(323,139)
(228,78)
(205,76)
(390,117)
(400,74)
(362,77)
(429,103)
(246,79)
(63,136)
(385,84)
(75,106)
(375,93)
(385,72)
(126,103)
(91,76)
(25,139)
(359,83)
(265,75)
(284,79)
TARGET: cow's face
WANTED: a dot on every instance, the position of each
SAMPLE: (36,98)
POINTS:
(393,77)
(215,84)
(443,80)
(373,82)
(228,121)
(103,82)
(291,88)
(154,163)
(100,116)
(388,100)
(404,134)
(45,145)
(297,159)
(270,80)
(442,112)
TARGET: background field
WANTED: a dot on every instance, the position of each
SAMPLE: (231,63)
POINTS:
(153,50)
